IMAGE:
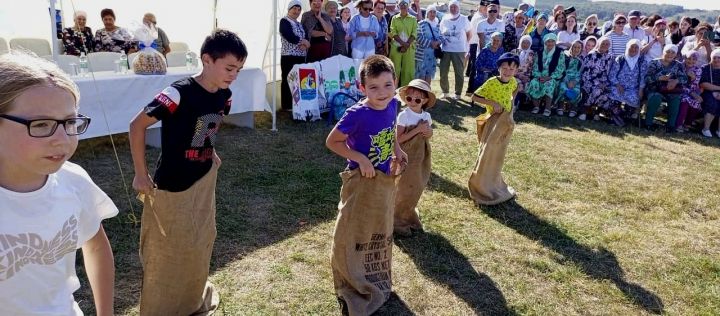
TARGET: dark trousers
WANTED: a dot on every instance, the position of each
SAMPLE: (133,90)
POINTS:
(286,64)
(470,70)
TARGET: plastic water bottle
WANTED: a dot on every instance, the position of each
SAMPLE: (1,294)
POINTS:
(123,62)
(83,65)
(189,61)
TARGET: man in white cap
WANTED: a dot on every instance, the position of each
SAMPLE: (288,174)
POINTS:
(455,27)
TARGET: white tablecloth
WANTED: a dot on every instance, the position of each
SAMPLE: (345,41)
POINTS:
(122,96)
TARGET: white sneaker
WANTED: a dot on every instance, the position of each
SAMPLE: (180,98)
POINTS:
(456,97)
(443,96)
(547,112)
(582,117)
(535,110)
(596,117)
(706,133)
(718,133)
(560,112)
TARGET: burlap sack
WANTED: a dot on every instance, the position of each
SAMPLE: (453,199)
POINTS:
(176,242)
(486,184)
(411,183)
(362,242)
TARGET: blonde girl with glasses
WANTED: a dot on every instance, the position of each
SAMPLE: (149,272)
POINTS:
(49,207)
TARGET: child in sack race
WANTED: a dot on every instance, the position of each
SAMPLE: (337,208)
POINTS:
(414,129)
(178,221)
(494,129)
(362,243)
(49,207)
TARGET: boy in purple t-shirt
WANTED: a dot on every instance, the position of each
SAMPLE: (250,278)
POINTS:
(362,241)
(365,135)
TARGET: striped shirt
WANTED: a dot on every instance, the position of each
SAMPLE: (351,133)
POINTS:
(617,43)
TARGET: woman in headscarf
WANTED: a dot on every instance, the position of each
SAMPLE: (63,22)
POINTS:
(665,79)
(514,31)
(547,71)
(595,69)
(485,64)
(690,102)
(429,39)
(569,93)
(627,82)
(293,51)
(524,72)
(539,32)
(78,38)
(339,45)
(589,44)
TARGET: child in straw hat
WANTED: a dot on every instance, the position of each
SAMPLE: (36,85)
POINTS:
(413,133)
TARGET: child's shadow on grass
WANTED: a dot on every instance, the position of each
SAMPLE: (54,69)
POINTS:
(599,264)
(395,306)
(438,259)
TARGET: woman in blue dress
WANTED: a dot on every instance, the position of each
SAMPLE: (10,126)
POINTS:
(485,64)
(627,82)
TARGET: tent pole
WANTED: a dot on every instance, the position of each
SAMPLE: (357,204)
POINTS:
(53,36)
(274,71)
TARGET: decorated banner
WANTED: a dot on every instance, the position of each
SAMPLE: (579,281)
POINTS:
(315,85)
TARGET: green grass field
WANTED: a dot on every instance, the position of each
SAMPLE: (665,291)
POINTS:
(607,221)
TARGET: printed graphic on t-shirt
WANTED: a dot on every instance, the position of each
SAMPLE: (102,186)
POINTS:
(17,251)
(170,98)
(206,129)
(381,146)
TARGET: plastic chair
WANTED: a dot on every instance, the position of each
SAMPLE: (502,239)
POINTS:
(179,47)
(103,61)
(39,46)
(64,61)
(4,48)
(176,58)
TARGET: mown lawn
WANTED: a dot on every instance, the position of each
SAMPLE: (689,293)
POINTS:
(607,221)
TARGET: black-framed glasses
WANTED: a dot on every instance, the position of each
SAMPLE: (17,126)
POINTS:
(366,8)
(591,23)
(621,22)
(410,99)
(46,127)
(492,11)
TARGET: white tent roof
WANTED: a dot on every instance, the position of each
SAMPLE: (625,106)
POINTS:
(183,21)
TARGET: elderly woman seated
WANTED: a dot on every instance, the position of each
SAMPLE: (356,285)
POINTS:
(665,79)
(113,38)
(162,43)
(548,70)
(710,82)
(627,82)
(78,38)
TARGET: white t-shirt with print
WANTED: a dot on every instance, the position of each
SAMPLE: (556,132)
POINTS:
(474,22)
(40,233)
(408,117)
(455,32)
(488,28)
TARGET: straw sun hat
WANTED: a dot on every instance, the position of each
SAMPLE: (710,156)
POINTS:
(422,86)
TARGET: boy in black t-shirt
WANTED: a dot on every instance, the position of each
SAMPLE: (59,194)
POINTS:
(178,221)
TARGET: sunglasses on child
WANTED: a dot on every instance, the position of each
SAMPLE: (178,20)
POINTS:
(40,128)
(410,99)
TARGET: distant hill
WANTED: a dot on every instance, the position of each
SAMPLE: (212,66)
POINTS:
(605,9)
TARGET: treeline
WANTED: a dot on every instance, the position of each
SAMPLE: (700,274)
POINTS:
(606,9)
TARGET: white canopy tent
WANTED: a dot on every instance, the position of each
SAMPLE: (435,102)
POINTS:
(255,21)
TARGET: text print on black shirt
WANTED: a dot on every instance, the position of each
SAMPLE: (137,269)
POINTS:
(191,118)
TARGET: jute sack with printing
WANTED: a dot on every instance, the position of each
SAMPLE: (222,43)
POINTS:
(176,243)
(362,242)
(411,183)
(486,184)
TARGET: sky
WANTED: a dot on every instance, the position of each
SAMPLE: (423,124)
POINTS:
(688,4)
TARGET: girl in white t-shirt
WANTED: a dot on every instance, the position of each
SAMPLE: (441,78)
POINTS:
(413,133)
(49,207)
